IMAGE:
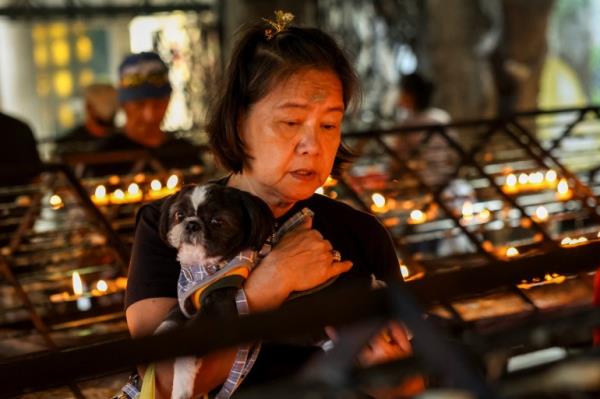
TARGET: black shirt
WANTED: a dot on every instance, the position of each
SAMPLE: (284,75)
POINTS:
(358,236)
(78,140)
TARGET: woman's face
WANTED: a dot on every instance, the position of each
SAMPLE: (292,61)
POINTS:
(293,134)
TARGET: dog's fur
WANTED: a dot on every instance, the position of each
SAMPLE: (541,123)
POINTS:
(208,224)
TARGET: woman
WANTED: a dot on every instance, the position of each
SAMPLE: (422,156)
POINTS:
(277,129)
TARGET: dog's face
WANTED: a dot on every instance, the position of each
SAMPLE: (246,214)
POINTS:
(212,222)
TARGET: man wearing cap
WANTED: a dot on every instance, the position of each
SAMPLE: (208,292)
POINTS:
(144,93)
(101,106)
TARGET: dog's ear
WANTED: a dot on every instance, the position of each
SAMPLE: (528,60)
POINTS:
(261,221)
(164,223)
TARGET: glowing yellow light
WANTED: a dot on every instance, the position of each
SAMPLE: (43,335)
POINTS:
(541,213)
(172,182)
(404,271)
(133,189)
(598,235)
(523,178)
(60,52)
(77,284)
(467,210)
(114,180)
(155,185)
(86,77)
(56,202)
(484,215)
(566,241)
(563,186)
(511,180)
(512,251)
(139,178)
(536,178)
(100,192)
(102,286)
(84,48)
(66,116)
(63,83)
(378,200)
(119,194)
(417,216)
(320,190)
(551,176)
(40,55)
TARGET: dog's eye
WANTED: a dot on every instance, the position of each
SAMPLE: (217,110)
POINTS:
(216,222)
(179,216)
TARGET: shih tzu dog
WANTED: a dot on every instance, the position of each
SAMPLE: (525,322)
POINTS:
(217,231)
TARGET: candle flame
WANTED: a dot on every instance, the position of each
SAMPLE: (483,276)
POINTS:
(467,210)
(563,186)
(378,200)
(417,216)
(133,189)
(102,286)
(119,194)
(566,241)
(172,182)
(541,213)
(56,201)
(511,180)
(404,271)
(77,284)
(523,178)
(155,185)
(512,251)
(100,192)
(551,176)
(536,178)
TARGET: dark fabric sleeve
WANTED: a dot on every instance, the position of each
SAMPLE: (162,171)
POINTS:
(153,269)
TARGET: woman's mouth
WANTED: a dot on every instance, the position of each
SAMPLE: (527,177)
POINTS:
(303,174)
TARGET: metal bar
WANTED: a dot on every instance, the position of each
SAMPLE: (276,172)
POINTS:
(26,223)
(504,195)
(48,12)
(121,251)
(437,197)
(556,142)
(588,192)
(40,326)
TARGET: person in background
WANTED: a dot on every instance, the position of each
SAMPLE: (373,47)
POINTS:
(19,158)
(144,93)
(101,106)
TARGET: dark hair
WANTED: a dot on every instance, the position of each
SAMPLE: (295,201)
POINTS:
(420,88)
(256,65)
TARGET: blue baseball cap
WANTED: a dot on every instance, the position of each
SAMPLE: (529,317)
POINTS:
(143,75)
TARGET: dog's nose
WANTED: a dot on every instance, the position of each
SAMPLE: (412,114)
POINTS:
(192,226)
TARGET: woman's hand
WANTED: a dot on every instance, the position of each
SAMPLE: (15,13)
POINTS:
(301,260)
(389,344)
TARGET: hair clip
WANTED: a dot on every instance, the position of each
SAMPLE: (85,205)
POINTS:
(282,20)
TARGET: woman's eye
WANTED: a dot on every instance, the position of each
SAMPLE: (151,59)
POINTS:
(216,222)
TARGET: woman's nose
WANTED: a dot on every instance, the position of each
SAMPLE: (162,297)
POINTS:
(309,141)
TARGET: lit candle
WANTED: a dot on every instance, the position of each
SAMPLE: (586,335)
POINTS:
(379,203)
(536,179)
(562,190)
(510,185)
(551,178)
(484,215)
(118,197)
(404,271)
(512,252)
(156,190)
(330,182)
(523,179)
(541,213)
(417,217)
(83,302)
(56,202)
(99,197)
(467,211)
(134,194)
(172,182)
(102,286)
